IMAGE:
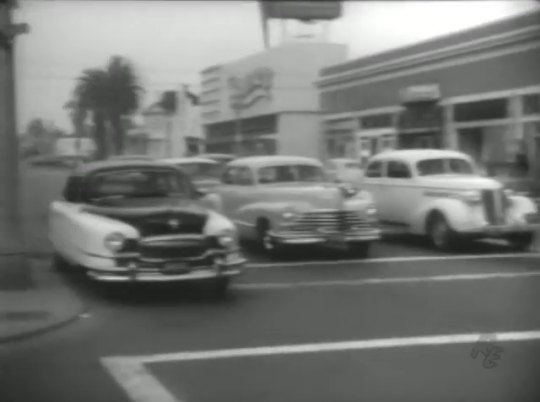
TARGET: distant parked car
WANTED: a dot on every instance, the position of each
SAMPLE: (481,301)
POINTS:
(282,201)
(440,193)
(205,173)
(220,158)
(344,170)
(131,158)
(141,221)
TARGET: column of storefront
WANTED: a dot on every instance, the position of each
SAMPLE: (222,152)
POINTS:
(450,140)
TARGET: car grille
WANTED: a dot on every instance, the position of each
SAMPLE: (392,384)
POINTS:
(334,221)
(168,224)
(173,248)
(495,205)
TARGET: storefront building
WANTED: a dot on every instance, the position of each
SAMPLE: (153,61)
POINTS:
(267,103)
(477,91)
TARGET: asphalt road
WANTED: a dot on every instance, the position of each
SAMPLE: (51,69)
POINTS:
(400,326)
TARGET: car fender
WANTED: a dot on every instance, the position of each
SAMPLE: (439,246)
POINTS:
(217,223)
(456,213)
(213,201)
(89,233)
(522,205)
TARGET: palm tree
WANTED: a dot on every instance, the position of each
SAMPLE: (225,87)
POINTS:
(109,95)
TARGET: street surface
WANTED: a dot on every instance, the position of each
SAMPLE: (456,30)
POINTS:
(403,325)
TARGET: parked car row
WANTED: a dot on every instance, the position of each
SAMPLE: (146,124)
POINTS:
(183,219)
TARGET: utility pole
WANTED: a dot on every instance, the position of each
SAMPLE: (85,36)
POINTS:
(12,251)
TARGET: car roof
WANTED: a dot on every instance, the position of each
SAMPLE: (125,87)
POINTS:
(89,168)
(343,160)
(190,159)
(415,155)
(210,155)
(260,161)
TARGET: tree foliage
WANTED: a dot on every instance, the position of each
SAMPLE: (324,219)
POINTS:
(108,95)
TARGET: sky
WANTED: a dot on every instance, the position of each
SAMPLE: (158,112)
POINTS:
(170,42)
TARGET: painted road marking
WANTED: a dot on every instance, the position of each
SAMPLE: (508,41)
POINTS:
(398,259)
(386,281)
(142,386)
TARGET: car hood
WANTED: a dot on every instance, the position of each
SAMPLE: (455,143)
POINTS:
(460,182)
(152,216)
(317,195)
(205,183)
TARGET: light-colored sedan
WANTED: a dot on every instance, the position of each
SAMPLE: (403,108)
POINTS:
(205,173)
(141,221)
(288,200)
(441,194)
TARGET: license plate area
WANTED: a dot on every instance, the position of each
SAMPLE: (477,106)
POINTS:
(175,268)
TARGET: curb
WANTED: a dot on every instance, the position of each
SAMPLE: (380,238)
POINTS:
(46,328)
(53,284)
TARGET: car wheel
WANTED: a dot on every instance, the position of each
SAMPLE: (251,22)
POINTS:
(441,234)
(521,242)
(359,249)
(221,286)
(60,264)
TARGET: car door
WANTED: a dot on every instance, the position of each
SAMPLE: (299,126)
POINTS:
(62,233)
(235,191)
(399,192)
(374,183)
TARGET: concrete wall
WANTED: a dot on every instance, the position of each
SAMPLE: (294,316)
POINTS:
(299,134)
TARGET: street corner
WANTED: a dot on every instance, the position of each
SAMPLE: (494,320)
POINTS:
(47,305)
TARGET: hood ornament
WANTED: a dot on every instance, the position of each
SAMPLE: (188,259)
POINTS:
(174,223)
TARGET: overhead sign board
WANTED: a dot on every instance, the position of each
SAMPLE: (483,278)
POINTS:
(420,93)
(302,10)
(245,91)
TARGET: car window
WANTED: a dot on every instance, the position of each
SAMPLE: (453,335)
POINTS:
(398,170)
(291,173)
(437,166)
(137,183)
(73,189)
(238,176)
(374,169)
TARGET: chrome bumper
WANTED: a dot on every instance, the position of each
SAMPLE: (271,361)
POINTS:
(209,266)
(325,238)
(502,230)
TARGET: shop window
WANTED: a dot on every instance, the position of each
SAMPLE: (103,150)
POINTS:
(492,109)
(531,104)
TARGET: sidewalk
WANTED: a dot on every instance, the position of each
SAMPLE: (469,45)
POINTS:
(36,302)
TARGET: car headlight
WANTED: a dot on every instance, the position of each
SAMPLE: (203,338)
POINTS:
(289,214)
(114,241)
(471,197)
(227,238)
(371,210)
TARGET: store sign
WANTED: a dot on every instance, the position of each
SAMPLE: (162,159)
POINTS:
(420,93)
(302,10)
(247,90)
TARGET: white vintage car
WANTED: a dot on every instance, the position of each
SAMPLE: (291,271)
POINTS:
(204,172)
(141,221)
(439,193)
(288,200)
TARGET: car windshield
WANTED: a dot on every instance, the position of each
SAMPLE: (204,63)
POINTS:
(201,170)
(438,166)
(291,173)
(137,184)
